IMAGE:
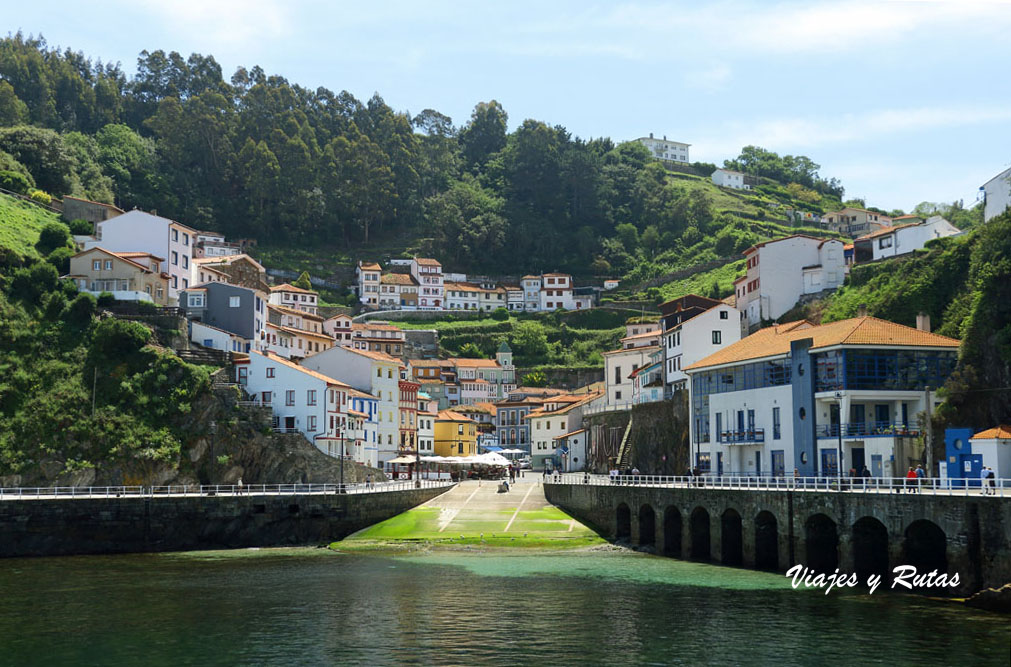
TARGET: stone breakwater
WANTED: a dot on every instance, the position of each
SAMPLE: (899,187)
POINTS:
(60,527)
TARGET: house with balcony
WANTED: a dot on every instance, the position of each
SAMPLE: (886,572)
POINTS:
(237,310)
(557,419)
(431,290)
(641,341)
(792,396)
(901,239)
(666,151)
(296,298)
(377,336)
(368,278)
(462,296)
(855,221)
(339,327)
(128,276)
(693,328)
(647,381)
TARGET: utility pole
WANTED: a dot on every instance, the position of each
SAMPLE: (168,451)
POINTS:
(928,437)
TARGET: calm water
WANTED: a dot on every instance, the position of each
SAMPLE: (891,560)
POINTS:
(313,607)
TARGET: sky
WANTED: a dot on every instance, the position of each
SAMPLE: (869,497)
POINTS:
(903,100)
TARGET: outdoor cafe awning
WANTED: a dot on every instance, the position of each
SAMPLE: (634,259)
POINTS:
(403,459)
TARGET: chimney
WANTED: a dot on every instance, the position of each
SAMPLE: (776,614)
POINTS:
(923,321)
(862,310)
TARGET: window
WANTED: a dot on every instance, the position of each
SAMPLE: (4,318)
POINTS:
(310,397)
(234,301)
(270,372)
(186,283)
(617,375)
(289,397)
(175,258)
(724,315)
(717,336)
(108,265)
(885,242)
(197,301)
(175,282)
(379,372)
(175,234)
(96,265)
(617,395)
(186,238)
(266,397)
(775,424)
(312,423)
(186,262)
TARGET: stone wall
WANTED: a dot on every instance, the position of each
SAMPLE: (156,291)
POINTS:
(658,440)
(976,530)
(128,525)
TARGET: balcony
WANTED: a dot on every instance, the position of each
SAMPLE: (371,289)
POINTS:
(868,430)
(748,437)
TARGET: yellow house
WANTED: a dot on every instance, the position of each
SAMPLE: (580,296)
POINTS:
(455,435)
(129,276)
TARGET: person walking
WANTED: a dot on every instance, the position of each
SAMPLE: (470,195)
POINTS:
(911,481)
(240,485)
(920,476)
(984,478)
(992,479)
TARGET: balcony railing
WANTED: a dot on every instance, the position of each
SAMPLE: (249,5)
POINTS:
(742,437)
(871,429)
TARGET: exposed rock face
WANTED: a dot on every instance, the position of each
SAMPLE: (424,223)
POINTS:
(223,442)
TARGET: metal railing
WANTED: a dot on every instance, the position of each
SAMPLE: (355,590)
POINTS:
(870,429)
(740,437)
(178,491)
(949,487)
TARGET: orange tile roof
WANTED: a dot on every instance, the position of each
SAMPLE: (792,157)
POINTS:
(775,340)
(792,236)
(462,287)
(370,266)
(398,279)
(644,348)
(374,326)
(117,255)
(452,415)
(646,334)
(1002,432)
(302,332)
(294,311)
(377,356)
(424,261)
(569,434)
(140,254)
(473,363)
(884,231)
(288,287)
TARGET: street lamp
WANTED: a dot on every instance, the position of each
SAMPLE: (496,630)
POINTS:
(839,397)
(341,487)
(417,463)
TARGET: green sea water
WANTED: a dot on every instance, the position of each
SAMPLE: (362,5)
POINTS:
(317,607)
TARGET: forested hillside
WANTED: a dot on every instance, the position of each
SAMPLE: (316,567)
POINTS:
(254,155)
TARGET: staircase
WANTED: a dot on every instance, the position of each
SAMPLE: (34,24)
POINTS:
(624,450)
(198,354)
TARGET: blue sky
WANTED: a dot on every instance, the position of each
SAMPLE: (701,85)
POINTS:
(904,101)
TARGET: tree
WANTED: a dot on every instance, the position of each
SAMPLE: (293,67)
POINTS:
(43,153)
(535,379)
(530,339)
(303,281)
(52,236)
(12,110)
(485,134)
(629,237)
(650,240)
(470,351)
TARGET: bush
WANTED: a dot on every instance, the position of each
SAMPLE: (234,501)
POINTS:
(15,182)
(147,306)
(500,314)
(53,235)
(81,310)
(81,227)
(60,259)
(41,197)
(106,299)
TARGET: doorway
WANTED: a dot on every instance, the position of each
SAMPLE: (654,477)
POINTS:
(857,457)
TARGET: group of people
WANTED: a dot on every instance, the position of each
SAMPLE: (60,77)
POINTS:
(988,481)
(913,479)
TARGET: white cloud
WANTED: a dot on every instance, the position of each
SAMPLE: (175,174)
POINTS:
(711,80)
(224,25)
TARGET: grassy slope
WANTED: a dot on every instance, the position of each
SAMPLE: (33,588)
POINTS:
(20,224)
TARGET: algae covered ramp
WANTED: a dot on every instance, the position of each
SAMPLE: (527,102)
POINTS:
(475,513)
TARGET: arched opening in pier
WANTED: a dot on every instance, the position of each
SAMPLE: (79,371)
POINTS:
(731,538)
(647,526)
(766,541)
(870,548)
(672,532)
(700,534)
(925,547)
(623,523)
(822,540)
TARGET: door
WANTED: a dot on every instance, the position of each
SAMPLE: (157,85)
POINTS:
(719,462)
(829,462)
(758,463)
(243,375)
(882,418)
(876,468)
(857,417)
(857,461)
(778,462)
(972,465)
(833,418)
(289,423)
(740,426)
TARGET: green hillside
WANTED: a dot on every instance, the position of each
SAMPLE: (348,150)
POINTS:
(20,225)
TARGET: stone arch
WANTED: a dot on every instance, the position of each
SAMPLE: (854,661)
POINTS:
(700,534)
(672,532)
(870,548)
(822,542)
(647,526)
(623,522)
(766,541)
(731,538)
(925,547)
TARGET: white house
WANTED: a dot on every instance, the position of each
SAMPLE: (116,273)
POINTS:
(855,221)
(367,278)
(673,152)
(994,445)
(696,337)
(783,270)
(902,239)
(618,365)
(374,373)
(558,419)
(302,400)
(556,292)
(531,293)
(997,193)
(137,231)
(514,298)
(730,179)
(428,412)
(462,296)
(339,326)
(294,297)
(771,403)
(428,274)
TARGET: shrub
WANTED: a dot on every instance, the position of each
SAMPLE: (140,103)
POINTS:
(81,227)
(15,182)
(53,235)
(106,299)
(60,259)
(147,306)
(41,197)
(500,314)
(81,310)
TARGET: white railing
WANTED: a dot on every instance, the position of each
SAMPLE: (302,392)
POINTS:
(614,407)
(949,487)
(178,491)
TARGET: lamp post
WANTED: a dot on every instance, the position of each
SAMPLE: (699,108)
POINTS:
(417,463)
(839,397)
(341,487)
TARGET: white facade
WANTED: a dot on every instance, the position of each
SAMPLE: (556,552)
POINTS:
(302,401)
(294,297)
(368,275)
(730,179)
(364,449)
(996,453)
(697,338)
(213,337)
(665,150)
(618,365)
(531,293)
(339,326)
(556,292)
(431,293)
(137,231)
(514,298)
(907,238)
(427,414)
(461,296)
(373,373)
(781,271)
(998,195)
